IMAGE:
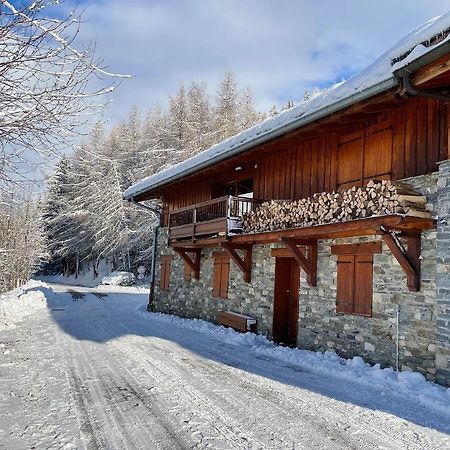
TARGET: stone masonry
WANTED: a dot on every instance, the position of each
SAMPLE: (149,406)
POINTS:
(443,275)
(424,316)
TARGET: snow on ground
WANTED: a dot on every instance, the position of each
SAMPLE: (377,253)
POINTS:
(89,368)
(20,303)
(355,370)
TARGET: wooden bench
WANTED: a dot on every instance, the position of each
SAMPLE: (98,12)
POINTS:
(238,322)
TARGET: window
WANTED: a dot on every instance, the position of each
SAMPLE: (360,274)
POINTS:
(355,277)
(236,188)
(221,274)
(164,274)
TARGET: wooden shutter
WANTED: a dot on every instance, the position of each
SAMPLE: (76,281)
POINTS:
(355,284)
(217,276)
(221,275)
(224,277)
(350,158)
(164,275)
(187,272)
(378,154)
(363,290)
(345,276)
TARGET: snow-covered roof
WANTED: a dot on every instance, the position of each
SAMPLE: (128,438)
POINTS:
(376,78)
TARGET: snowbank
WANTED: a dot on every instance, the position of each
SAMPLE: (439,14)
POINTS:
(22,302)
(410,384)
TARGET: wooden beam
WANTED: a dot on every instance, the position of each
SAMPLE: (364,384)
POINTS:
(307,263)
(407,258)
(351,228)
(199,243)
(312,258)
(414,250)
(356,249)
(194,264)
(433,70)
(244,264)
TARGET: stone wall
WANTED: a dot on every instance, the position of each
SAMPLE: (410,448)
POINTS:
(320,327)
(194,298)
(443,275)
(373,338)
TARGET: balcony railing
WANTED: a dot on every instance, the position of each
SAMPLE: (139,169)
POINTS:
(218,217)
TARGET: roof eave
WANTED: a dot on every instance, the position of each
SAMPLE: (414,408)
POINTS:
(372,91)
(298,123)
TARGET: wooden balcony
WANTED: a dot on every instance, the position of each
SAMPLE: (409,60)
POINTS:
(220,217)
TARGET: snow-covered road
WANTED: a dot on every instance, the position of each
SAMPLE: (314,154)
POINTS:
(93,371)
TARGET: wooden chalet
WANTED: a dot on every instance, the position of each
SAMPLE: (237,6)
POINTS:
(373,284)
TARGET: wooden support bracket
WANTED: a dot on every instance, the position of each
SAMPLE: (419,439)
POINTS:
(409,259)
(309,262)
(194,263)
(245,264)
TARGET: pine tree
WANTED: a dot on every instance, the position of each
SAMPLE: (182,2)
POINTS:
(53,210)
(226,123)
(248,114)
(199,119)
(178,120)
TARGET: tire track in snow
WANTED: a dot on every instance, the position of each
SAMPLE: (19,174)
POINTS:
(188,399)
(210,396)
(210,400)
(383,434)
(103,395)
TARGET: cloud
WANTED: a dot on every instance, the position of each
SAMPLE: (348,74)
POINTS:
(279,48)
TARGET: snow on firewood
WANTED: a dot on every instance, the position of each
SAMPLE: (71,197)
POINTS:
(375,199)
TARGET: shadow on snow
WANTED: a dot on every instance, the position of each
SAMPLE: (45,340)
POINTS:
(100,316)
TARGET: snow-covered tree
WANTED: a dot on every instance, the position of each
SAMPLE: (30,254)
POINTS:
(226,121)
(22,241)
(178,120)
(199,119)
(93,223)
(47,89)
(248,113)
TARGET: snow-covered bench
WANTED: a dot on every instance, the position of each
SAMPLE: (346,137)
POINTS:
(238,322)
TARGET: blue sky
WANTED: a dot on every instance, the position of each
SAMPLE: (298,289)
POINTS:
(278,47)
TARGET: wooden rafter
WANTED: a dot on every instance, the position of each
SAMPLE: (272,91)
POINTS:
(245,263)
(433,70)
(409,258)
(193,263)
(309,262)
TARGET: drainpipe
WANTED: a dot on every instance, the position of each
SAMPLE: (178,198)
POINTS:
(410,90)
(157,213)
(397,337)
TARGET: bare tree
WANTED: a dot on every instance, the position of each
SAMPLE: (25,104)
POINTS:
(49,90)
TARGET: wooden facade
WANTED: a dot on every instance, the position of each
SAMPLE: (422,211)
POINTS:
(406,139)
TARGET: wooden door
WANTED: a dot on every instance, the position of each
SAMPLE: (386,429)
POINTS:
(285,308)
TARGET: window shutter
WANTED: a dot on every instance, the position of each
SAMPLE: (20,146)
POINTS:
(344,296)
(224,276)
(217,276)
(164,275)
(168,270)
(363,284)
(187,272)
(221,275)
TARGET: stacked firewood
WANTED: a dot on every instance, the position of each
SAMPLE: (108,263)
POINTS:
(376,199)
